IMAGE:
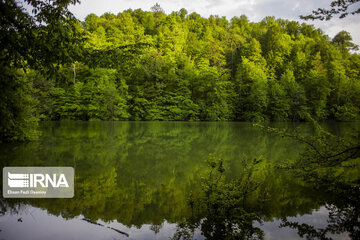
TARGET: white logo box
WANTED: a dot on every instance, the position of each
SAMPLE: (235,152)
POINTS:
(38,182)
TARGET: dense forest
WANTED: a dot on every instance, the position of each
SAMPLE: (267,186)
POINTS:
(147,65)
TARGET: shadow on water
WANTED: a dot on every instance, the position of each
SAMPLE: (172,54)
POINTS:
(142,177)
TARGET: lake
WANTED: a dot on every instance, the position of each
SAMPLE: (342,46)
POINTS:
(133,180)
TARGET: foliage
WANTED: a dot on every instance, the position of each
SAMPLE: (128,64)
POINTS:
(18,120)
(184,67)
(219,210)
(332,163)
(146,65)
(343,217)
(337,7)
(101,96)
(40,40)
(324,152)
(329,163)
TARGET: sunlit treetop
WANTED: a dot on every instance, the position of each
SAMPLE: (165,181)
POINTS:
(156,8)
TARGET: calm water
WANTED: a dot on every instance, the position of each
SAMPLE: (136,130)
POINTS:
(134,178)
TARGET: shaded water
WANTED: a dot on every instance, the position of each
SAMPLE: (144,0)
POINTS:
(136,177)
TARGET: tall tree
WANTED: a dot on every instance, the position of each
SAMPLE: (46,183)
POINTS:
(40,40)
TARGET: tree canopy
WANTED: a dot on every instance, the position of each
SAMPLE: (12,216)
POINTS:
(147,65)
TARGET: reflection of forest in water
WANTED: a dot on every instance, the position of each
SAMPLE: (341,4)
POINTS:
(144,172)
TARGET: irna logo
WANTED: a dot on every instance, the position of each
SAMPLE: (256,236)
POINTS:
(38,182)
(19,180)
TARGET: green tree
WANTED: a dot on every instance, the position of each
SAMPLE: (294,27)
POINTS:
(252,85)
(296,97)
(41,41)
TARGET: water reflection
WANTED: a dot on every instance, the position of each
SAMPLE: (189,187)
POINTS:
(343,215)
(136,175)
(37,224)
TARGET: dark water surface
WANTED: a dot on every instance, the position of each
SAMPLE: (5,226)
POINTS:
(133,178)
